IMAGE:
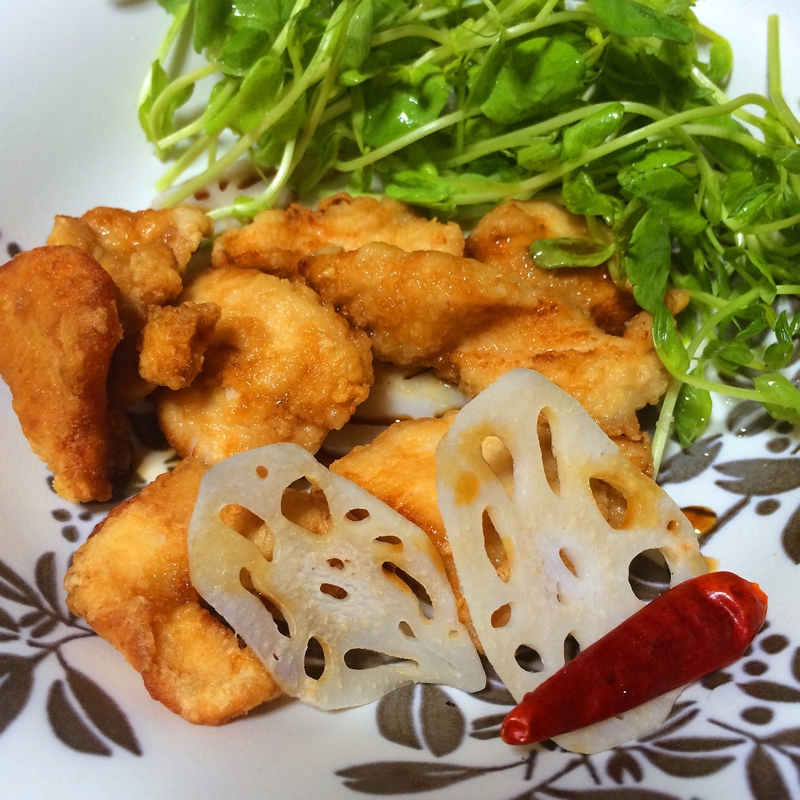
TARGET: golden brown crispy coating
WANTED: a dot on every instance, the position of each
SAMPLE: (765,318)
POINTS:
(131,583)
(415,306)
(504,236)
(174,342)
(611,376)
(280,367)
(146,253)
(276,240)
(59,327)
(472,322)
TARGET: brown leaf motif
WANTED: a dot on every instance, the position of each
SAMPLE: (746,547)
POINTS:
(443,724)
(440,721)
(494,692)
(617,793)
(789,737)
(47,580)
(16,682)
(396,718)
(771,691)
(487,727)
(7,621)
(764,777)
(14,588)
(748,418)
(790,537)
(68,726)
(760,476)
(622,763)
(405,777)
(682,766)
(687,464)
(46,626)
(81,715)
(697,744)
(101,710)
(31,618)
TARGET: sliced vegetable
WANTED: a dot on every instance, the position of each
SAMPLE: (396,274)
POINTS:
(698,626)
(341,597)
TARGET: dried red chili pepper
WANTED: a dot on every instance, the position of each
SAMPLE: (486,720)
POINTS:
(698,626)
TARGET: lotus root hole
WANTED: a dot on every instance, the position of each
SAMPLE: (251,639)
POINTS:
(357,514)
(571,648)
(307,509)
(394,541)
(406,630)
(649,575)
(249,525)
(611,503)
(400,578)
(333,591)
(528,659)
(336,563)
(272,608)
(567,561)
(499,459)
(262,472)
(314,659)
(495,548)
(549,462)
(360,658)
(501,616)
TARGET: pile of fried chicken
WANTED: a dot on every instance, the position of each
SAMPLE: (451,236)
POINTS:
(274,342)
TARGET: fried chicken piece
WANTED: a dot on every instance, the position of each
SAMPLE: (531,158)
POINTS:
(59,327)
(472,323)
(280,367)
(174,342)
(130,581)
(415,306)
(146,253)
(611,376)
(503,238)
(276,240)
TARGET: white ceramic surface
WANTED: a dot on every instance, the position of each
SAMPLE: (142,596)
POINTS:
(69,140)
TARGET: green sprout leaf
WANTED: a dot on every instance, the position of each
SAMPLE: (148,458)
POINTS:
(648,260)
(779,396)
(668,344)
(396,109)
(628,18)
(536,76)
(551,253)
(593,130)
(692,413)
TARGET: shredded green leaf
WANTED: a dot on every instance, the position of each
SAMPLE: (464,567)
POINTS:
(612,105)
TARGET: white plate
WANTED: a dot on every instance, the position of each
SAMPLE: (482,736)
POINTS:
(69,140)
